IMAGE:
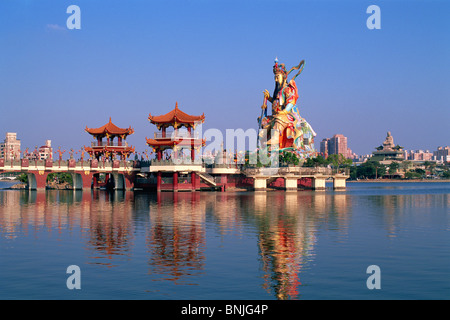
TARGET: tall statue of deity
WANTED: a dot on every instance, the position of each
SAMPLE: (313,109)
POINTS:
(285,128)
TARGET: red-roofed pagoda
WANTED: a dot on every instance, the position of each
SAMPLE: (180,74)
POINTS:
(176,141)
(176,119)
(109,148)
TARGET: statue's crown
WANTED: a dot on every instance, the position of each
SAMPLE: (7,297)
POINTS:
(279,68)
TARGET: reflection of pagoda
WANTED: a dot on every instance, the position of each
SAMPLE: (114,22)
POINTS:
(388,151)
(176,240)
(110,148)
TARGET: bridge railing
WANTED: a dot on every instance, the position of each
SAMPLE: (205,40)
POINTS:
(303,171)
(69,164)
(176,135)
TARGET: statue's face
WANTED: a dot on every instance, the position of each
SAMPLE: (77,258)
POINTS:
(279,79)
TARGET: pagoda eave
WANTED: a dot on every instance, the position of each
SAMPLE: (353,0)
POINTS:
(170,143)
(109,129)
(176,118)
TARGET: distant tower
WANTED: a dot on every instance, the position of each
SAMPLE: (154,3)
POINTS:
(324,147)
(338,145)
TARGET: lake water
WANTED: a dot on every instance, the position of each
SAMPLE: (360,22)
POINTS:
(227,245)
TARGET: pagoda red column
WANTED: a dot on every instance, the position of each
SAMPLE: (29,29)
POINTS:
(175,181)
(158,181)
(192,144)
(193,178)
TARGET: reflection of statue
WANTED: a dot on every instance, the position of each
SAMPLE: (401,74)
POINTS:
(289,130)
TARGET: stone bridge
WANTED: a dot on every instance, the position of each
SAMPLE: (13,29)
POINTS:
(84,173)
(291,175)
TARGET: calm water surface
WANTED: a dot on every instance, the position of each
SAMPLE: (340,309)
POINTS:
(232,245)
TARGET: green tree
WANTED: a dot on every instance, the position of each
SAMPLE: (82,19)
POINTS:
(61,177)
(287,158)
(318,161)
(353,172)
(371,170)
(338,160)
(23,177)
(412,174)
(393,167)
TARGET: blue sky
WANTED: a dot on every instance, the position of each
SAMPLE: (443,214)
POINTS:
(134,57)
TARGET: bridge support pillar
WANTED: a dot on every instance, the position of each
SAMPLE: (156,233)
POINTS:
(119,181)
(318,182)
(339,182)
(158,181)
(37,180)
(129,180)
(82,180)
(195,180)
(260,183)
(291,183)
(175,181)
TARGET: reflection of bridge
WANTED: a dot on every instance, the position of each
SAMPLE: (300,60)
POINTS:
(84,173)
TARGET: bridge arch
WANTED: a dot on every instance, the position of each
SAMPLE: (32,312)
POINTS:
(118,181)
(77,181)
(37,180)
(122,180)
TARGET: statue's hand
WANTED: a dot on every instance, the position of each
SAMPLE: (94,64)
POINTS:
(266,94)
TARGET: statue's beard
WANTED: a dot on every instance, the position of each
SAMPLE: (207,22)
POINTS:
(278,87)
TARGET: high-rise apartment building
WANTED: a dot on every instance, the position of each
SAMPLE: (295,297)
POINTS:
(442,154)
(10,148)
(324,147)
(338,145)
(335,145)
(419,155)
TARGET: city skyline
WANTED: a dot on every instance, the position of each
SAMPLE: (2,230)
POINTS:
(130,60)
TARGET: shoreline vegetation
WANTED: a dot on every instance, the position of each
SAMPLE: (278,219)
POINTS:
(398,180)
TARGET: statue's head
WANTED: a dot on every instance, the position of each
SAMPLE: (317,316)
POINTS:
(279,70)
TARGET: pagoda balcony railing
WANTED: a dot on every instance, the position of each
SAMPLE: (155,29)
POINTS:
(176,135)
(123,144)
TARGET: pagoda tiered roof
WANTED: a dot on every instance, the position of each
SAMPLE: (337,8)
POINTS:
(109,129)
(167,143)
(176,118)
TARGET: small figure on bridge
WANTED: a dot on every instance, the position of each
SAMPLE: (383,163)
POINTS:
(60,153)
(82,151)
